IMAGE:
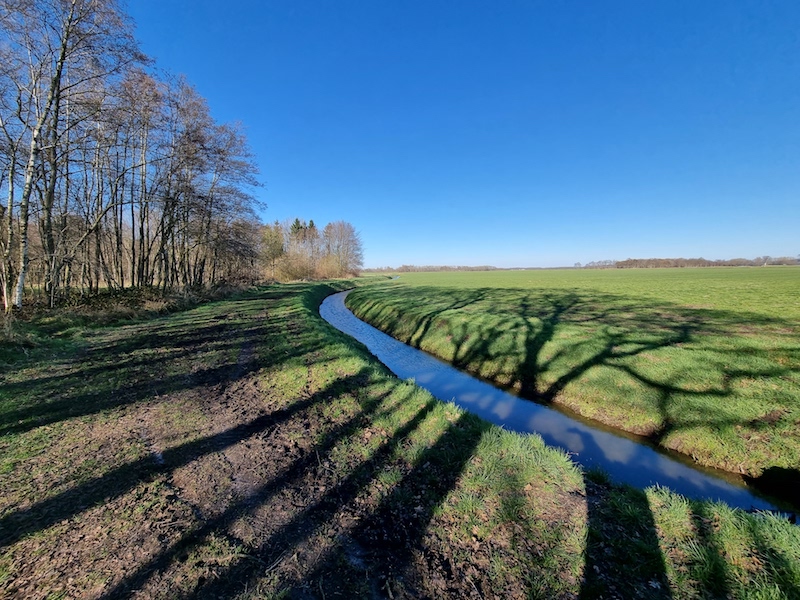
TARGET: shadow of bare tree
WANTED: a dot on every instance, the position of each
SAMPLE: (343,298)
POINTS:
(664,371)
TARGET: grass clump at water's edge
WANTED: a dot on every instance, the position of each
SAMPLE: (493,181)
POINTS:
(246,449)
(702,361)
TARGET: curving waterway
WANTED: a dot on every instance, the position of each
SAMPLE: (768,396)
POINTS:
(625,460)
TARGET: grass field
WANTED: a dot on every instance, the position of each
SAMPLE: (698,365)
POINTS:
(245,449)
(703,361)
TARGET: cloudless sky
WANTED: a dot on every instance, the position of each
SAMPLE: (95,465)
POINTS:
(509,133)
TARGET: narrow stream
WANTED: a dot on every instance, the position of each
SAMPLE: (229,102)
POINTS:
(625,460)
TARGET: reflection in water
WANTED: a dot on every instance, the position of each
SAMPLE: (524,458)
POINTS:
(623,459)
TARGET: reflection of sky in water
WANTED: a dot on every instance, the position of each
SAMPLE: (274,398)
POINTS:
(623,459)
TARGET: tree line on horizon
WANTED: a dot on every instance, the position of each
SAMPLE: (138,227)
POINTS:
(661,263)
(630,263)
(430,269)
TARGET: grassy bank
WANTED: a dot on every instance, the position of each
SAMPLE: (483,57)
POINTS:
(702,361)
(244,449)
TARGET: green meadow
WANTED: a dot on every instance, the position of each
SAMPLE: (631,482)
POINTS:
(705,362)
(243,448)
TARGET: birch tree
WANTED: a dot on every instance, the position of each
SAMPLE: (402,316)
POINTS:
(57,51)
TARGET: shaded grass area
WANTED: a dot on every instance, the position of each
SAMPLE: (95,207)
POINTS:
(717,384)
(36,332)
(245,449)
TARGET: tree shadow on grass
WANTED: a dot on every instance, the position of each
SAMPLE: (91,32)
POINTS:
(244,351)
(782,567)
(371,557)
(70,503)
(539,343)
(315,514)
(90,385)
(711,555)
(291,476)
(424,484)
(393,531)
(622,557)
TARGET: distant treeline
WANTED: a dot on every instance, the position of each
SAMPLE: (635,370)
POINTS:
(630,263)
(664,263)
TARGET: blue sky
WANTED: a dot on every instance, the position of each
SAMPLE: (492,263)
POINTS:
(510,133)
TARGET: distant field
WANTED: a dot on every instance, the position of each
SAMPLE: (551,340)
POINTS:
(702,361)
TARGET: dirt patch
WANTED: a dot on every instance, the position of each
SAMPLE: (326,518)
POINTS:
(770,418)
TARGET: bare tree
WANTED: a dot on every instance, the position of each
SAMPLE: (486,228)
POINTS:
(112,177)
(337,252)
(343,244)
(58,52)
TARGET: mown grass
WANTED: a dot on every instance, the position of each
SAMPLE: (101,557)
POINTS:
(703,361)
(245,449)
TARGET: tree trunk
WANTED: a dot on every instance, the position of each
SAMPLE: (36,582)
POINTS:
(53,98)
(7,274)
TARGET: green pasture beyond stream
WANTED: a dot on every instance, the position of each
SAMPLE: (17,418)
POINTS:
(702,361)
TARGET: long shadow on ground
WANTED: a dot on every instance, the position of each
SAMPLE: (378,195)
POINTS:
(540,343)
(87,384)
(119,481)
